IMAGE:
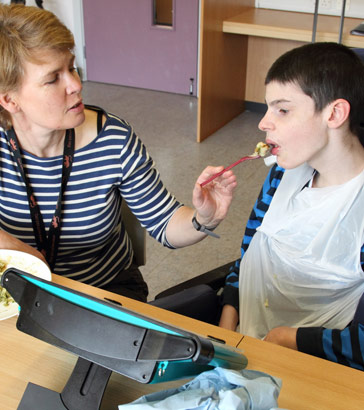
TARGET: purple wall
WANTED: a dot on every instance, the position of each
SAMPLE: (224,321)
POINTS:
(122,46)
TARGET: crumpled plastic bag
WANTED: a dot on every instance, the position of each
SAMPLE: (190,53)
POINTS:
(218,389)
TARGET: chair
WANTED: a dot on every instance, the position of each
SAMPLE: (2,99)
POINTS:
(197,297)
(137,234)
(359,313)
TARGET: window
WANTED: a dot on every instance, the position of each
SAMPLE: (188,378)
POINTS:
(163,13)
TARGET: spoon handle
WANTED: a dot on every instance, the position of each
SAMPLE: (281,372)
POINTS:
(229,167)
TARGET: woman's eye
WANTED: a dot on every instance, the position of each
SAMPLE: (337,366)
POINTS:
(282,111)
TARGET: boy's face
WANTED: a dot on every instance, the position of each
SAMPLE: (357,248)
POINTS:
(297,132)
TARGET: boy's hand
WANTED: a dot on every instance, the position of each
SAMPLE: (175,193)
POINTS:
(284,336)
(229,318)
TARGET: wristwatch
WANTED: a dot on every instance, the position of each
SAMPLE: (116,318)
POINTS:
(202,228)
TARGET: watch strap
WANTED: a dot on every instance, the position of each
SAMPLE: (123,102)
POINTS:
(203,228)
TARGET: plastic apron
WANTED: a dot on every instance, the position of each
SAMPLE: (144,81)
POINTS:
(302,267)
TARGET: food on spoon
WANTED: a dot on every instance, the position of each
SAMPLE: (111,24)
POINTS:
(5,298)
(261,149)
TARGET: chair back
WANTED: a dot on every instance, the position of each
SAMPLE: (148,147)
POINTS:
(359,313)
(136,233)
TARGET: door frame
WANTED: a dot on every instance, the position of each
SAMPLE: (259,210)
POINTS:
(79,34)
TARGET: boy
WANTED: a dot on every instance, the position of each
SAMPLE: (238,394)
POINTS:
(301,252)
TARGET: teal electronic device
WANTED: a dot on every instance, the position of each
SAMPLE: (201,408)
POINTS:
(106,337)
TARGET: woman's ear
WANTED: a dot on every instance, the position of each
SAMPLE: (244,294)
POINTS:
(338,113)
(8,103)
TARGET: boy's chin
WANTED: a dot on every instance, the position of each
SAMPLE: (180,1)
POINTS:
(286,164)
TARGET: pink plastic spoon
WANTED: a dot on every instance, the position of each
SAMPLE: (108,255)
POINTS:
(255,156)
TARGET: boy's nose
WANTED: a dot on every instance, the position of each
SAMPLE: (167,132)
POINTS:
(264,123)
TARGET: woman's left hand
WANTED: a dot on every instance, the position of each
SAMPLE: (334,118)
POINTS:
(212,201)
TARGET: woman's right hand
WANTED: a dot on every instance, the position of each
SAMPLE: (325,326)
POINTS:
(8,241)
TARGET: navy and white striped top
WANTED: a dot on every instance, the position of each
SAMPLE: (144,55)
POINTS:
(94,246)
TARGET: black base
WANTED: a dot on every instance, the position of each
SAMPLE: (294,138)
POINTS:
(40,398)
(84,390)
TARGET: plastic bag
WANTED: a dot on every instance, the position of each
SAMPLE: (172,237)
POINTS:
(302,267)
(218,389)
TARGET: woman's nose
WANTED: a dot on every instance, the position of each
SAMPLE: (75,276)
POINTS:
(74,83)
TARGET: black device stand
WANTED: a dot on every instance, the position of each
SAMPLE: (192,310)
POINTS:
(84,390)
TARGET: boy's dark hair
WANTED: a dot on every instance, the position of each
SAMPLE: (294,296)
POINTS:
(325,72)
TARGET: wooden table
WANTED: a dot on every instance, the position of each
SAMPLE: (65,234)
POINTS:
(308,382)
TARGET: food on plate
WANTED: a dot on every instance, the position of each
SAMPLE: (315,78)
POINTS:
(261,149)
(24,262)
(5,298)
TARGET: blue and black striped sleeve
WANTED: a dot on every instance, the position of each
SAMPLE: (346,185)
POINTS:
(341,346)
(230,294)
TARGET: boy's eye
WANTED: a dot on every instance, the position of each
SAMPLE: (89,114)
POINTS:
(53,80)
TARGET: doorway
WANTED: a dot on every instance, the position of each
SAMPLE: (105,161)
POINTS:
(125,47)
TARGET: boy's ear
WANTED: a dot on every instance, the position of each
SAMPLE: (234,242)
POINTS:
(7,102)
(339,111)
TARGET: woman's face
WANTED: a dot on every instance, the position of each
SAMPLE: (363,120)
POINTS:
(49,97)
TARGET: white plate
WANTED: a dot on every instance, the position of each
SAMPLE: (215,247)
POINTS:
(27,263)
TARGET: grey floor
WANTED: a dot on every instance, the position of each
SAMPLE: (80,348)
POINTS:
(167,125)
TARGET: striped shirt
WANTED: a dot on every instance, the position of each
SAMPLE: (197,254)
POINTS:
(231,291)
(94,246)
(340,346)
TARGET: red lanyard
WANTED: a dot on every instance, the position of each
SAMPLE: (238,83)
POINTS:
(47,245)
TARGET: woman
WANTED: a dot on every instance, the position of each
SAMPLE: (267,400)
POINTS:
(68,167)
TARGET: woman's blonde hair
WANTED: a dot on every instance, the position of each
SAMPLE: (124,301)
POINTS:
(24,31)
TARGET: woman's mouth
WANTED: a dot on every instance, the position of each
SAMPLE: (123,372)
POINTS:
(77,107)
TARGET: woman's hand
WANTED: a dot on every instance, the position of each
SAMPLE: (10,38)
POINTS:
(8,241)
(284,336)
(213,200)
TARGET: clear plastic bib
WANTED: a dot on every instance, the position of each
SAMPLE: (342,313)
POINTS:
(302,267)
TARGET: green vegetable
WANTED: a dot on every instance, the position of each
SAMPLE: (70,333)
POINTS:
(5,298)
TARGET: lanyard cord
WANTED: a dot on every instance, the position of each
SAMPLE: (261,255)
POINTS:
(47,245)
